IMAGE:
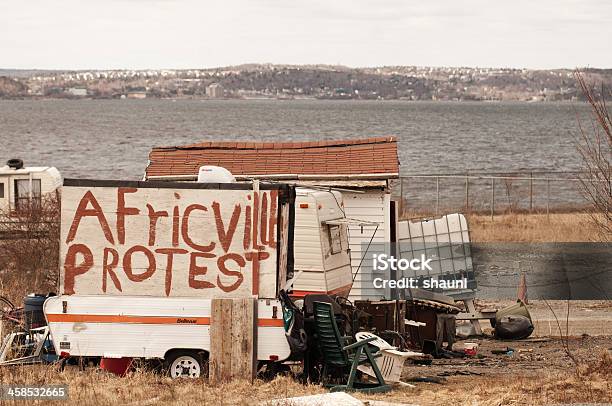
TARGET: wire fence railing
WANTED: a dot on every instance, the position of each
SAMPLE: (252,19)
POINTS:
(490,193)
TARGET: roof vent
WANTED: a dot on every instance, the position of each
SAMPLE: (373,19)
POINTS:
(15,163)
(215,174)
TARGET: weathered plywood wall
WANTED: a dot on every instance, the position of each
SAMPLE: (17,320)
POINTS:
(168,242)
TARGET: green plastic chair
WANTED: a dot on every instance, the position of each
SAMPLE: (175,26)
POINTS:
(338,356)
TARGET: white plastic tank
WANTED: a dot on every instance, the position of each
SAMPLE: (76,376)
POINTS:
(215,174)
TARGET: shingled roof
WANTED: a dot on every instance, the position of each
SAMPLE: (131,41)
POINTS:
(376,157)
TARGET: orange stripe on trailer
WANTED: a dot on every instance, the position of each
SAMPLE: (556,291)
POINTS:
(110,318)
(270,323)
(302,293)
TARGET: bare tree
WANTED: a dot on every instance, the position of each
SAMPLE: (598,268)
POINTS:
(595,148)
(29,248)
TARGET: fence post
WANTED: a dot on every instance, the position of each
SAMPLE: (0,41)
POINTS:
(492,198)
(437,194)
(467,193)
(530,192)
(548,198)
(401,209)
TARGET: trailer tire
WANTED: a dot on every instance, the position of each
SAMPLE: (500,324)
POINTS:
(186,364)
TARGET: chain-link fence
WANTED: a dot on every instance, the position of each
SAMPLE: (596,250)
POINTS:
(490,193)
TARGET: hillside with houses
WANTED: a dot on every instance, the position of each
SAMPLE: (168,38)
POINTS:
(304,81)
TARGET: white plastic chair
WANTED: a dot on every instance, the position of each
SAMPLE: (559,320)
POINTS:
(391,360)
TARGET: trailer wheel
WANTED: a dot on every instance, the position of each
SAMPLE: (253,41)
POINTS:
(186,364)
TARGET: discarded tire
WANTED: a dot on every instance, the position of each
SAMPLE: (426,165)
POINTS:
(513,327)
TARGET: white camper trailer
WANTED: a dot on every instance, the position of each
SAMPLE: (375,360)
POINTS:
(141,263)
(22,186)
(322,255)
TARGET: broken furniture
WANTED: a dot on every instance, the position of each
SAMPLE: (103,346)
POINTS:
(337,356)
(439,319)
(29,341)
(474,316)
(388,319)
(24,348)
(391,360)
(445,329)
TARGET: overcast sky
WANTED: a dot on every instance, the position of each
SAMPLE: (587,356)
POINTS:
(83,34)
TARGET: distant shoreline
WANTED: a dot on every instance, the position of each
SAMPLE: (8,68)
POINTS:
(264,81)
(281,99)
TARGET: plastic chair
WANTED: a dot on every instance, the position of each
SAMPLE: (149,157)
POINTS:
(337,355)
(391,360)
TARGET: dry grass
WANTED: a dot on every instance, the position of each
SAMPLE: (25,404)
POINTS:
(94,386)
(586,383)
(557,227)
(29,259)
(590,383)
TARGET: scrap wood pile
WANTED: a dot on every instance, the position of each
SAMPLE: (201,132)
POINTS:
(438,306)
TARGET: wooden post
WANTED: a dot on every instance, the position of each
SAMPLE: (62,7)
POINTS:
(492,198)
(401,209)
(233,349)
(467,193)
(437,194)
(530,192)
(548,198)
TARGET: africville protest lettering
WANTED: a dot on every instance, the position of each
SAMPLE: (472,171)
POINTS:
(255,216)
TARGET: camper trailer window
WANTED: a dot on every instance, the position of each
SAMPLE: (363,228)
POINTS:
(335,241)
(23,192)
(1,190)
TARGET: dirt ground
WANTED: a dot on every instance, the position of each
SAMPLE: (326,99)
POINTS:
(538,372)
(560,318)
(528,357)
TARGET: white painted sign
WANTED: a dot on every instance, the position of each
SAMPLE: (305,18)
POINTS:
(168,242)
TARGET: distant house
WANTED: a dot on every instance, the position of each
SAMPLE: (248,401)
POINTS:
(137,94)
(362,168)
(215,91)
(77,91)
(22,186)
